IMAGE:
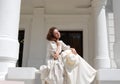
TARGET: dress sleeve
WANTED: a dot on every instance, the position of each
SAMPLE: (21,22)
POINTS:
(64,46)
(50,52)
(51,48)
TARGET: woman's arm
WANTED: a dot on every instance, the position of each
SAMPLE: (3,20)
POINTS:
(73,50)
(66,47)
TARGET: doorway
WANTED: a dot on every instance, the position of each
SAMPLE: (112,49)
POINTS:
(74,39)
(21,45)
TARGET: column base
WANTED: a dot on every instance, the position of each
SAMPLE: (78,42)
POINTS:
(4,68)
(3,75)
(102,63)
(117,54)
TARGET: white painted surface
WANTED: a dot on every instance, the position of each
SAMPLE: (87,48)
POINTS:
(29,75)
(111,37)
(37,52)
(9,24)
(26,25)
(32,76)
(21,73)
(116,11)
(11,82)
(108,76)
(56,7)
(102,59)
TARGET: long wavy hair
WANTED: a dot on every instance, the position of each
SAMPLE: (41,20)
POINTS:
(50,35)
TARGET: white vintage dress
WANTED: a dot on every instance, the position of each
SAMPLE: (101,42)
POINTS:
(68,69)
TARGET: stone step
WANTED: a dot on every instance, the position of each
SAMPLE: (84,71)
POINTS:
(11,82)
(29,75)
(108,76)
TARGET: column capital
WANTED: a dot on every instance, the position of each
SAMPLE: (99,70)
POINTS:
(98,4)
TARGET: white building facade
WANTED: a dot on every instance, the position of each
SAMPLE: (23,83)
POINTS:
(99,20)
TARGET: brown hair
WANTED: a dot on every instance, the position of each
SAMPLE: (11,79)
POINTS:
(50,35)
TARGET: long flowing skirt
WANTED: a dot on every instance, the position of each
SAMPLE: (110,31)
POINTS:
(53,73)
(64,72)
(83,73)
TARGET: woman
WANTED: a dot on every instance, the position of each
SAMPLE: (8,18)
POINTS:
(60,69)
(55,47)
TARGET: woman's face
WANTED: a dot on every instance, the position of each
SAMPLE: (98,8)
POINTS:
(56,34)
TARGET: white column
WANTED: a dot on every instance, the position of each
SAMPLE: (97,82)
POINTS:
(102,59)
(9,24)
(116,11)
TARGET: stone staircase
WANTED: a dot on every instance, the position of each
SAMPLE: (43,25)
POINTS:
(31,75)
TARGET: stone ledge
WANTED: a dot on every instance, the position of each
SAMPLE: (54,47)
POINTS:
(11,82)
(108,76)
(21,73)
